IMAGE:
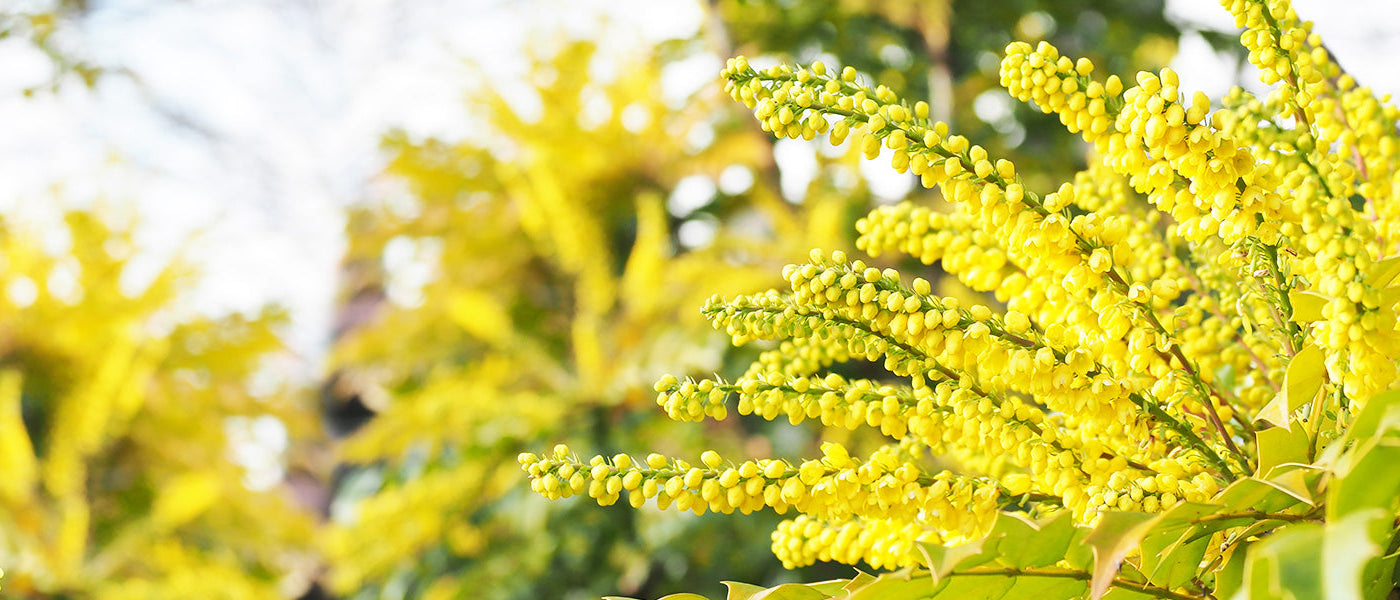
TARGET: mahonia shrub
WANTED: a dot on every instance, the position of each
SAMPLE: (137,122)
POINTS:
(1181,393)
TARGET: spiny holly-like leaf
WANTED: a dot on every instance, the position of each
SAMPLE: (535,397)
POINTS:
(1307,306)
(1029,545)
(832,587)
(1364,460)
(1286,565)
(1174,564)
(860,580)
(788,591)
(680,596)
(1046,588)
(741,591)
(1368,480)
(1229,578)
(1252,494)
(1301,383)
(1116,534)
(1350,550)
(975,587)
(899,585)
(1283,454)
(1381,413)
(941,559)
(795,591)
(1172,550)
(1279,445)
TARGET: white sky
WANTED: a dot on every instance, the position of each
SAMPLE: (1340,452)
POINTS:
(254,122)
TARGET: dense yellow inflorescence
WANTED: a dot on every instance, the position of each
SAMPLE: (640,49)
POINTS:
(1146,312)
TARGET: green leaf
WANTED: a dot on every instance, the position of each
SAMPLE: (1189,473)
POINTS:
(1116,534)
(899,585)
(1283,459)
(1080,555)
(1255,494)
(830,587)
(1301,383)
(741,591)
(1286,565)
(1368,480)
(861,578)
(1030,545)
(1351,552)
(1380,413)
(797,591)
(1172,542)
(1279,445)
(1046,588)
(1229,578)
(975,587)
(1307,306)
(1172,563)
(941,559)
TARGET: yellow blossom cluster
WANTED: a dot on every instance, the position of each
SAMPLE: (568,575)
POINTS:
(835,488)
(1217,270)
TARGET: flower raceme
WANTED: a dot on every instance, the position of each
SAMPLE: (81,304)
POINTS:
(1216,275)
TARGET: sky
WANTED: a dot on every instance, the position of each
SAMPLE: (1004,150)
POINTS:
(247,126)
(252,124)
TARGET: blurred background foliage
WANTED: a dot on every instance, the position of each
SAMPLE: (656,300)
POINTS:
(500,293)
(117,416)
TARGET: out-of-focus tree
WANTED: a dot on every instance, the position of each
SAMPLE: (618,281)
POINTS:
(558,283)
(39,23)
(527,285)
(116,415)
